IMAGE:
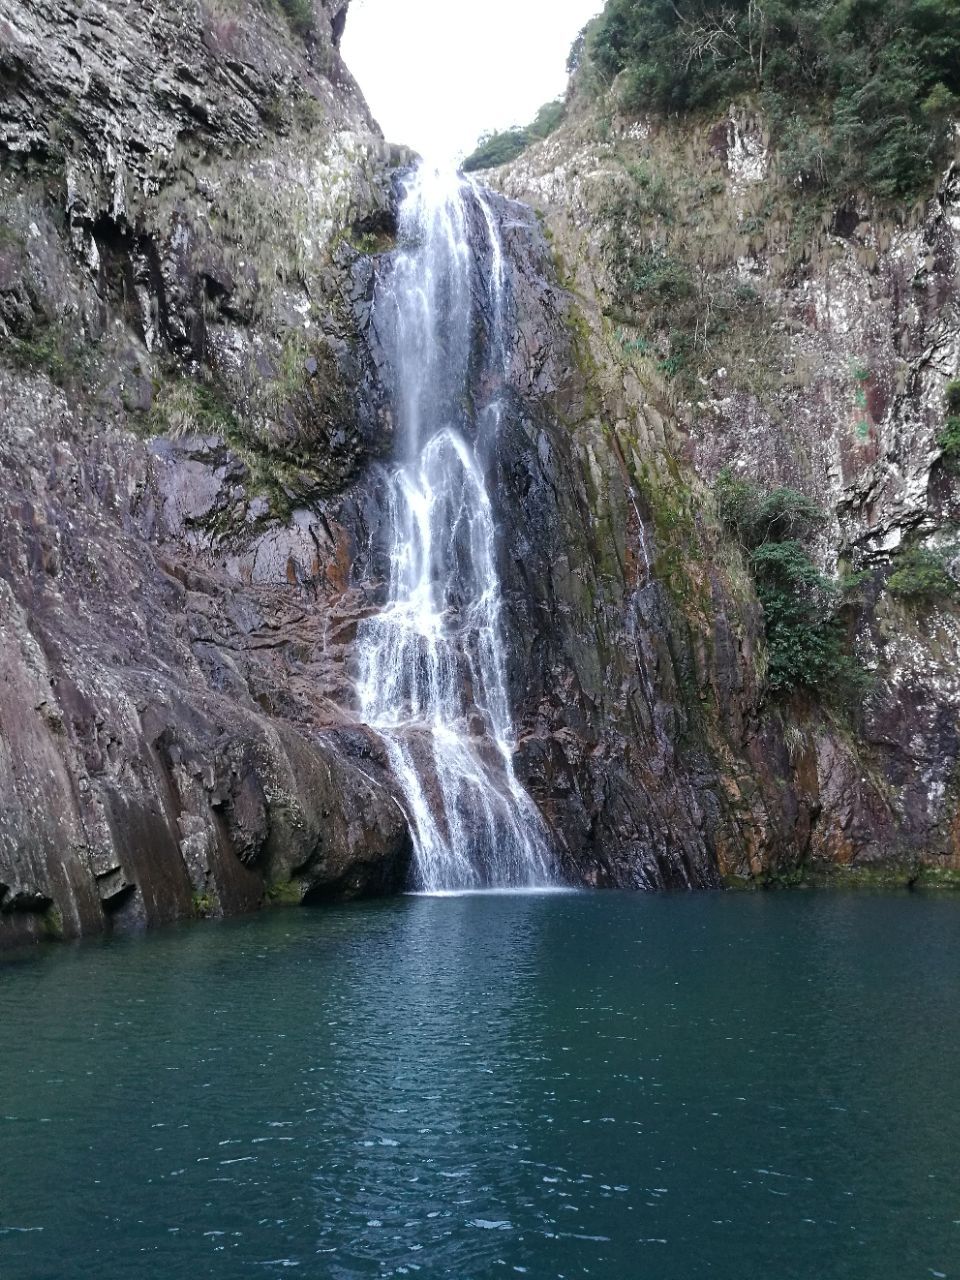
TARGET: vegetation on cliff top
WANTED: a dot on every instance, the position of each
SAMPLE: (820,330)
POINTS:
(505,145)
(859,93)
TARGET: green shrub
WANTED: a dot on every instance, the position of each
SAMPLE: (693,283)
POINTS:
(805,639)
(203,905)
(666,278)
(757,517)
(948,441)
(801,606)
(921,576)
(300,15)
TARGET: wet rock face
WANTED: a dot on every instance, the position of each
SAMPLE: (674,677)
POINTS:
(126,94)
(175,191)
(585,615)
(662,630)
(172,736)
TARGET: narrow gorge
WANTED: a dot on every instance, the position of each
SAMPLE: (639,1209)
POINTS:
(479,639)
(366,528)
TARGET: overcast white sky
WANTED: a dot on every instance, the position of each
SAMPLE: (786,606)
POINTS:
(438,73)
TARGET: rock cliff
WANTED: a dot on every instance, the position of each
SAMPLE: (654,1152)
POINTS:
(183,410)
(731,328)
(193,199)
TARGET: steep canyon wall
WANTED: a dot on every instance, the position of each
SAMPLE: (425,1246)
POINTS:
(817,345)
(193,203)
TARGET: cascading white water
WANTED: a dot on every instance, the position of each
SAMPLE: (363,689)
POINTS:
(432,677)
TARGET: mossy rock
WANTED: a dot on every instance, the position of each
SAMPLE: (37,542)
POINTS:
(284,893)
(824,875)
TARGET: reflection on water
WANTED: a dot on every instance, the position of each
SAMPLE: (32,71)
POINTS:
(552,1085)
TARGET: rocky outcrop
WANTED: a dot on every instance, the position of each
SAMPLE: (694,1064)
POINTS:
(184,407)
(591,667)
(828,374)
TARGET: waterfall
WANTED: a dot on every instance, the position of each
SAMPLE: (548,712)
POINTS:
(432,673)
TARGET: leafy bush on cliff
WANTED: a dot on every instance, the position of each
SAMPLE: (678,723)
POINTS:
(500,148)
(921,576)
(948,440)
(300,15)
(860,93)
(805,640)
(757,517)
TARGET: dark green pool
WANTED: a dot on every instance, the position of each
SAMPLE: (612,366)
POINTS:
(623,1087)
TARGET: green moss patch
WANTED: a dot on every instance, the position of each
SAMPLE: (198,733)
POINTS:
(284,893)
(56,349)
